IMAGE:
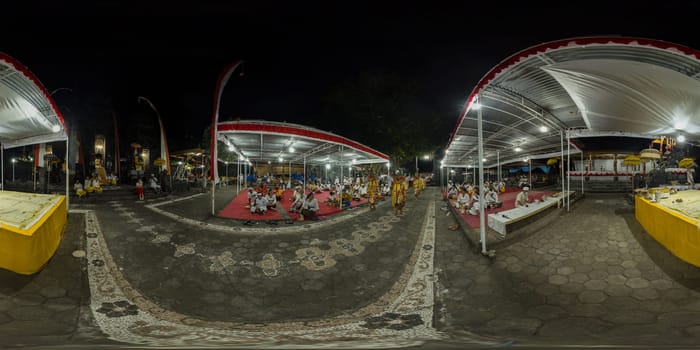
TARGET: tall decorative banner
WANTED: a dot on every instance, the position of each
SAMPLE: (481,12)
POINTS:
(220,84)
(164,154)
(39,153)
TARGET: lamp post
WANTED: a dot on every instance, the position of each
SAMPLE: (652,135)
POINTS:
(14,160)
(226,162)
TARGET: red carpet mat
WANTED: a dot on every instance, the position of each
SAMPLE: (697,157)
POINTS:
(237,210)
(286,201)
(508,199)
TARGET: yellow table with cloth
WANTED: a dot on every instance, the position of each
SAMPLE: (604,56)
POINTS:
(31,227)
(673,222)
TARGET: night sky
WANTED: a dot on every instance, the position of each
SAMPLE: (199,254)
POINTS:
(110,52)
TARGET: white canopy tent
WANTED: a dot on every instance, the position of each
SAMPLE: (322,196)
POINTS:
(28,114)
(583,87)
(258,141)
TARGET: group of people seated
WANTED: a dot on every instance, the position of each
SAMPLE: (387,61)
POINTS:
(91,184)
(260,202)
(305,205)
(468,197)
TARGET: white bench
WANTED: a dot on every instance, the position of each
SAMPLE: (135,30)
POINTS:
(500,221)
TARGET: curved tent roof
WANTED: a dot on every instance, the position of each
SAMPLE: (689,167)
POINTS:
(264,141)
(595,86)
(28,115)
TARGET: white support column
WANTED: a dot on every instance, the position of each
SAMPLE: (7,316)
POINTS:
(482,202)
(67,178)
(289,182)
(529,173)
(342,184)
(304,178)
(561,161)
(2,167)
(568,169)
(581,173)
(498,164)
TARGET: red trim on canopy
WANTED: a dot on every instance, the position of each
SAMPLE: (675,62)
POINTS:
(563,44)
(27,73)
(290,130)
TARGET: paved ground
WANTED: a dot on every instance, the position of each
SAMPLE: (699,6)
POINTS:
(165,270)
(592,276)
(317,271)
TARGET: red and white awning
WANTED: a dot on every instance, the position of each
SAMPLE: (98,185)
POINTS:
(597,86)
(263,141)
(28,115)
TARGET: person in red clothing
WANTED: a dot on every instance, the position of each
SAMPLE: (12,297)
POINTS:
(140,191)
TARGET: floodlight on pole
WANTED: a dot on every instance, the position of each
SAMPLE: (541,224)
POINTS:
(14,160)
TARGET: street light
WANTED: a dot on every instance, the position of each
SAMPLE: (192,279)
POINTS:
(226,162)
(14,160)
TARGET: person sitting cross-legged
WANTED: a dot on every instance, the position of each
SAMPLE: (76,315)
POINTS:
(260,204)
(297,201)
(492,199)
(271,200)
(310,208)
(79,190)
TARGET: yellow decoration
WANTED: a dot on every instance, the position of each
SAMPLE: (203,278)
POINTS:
(552,161)
(159,162)
(631,160)
(650,153)
(686,163)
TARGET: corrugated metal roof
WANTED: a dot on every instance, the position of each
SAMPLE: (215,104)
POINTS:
(518,96)
(27,113)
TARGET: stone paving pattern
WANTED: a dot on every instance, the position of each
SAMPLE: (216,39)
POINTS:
(591,276)
(221,276)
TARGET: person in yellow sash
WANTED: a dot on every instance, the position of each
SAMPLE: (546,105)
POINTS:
(418,186)
(398,194)
(372,191)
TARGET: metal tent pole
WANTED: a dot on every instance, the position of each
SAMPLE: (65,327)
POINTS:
(67,178)
(482,217)
(304,179)
(342,183)
(529,173)
(2,167)
(498,164)
(561,163)
(581,174)
(568,169)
